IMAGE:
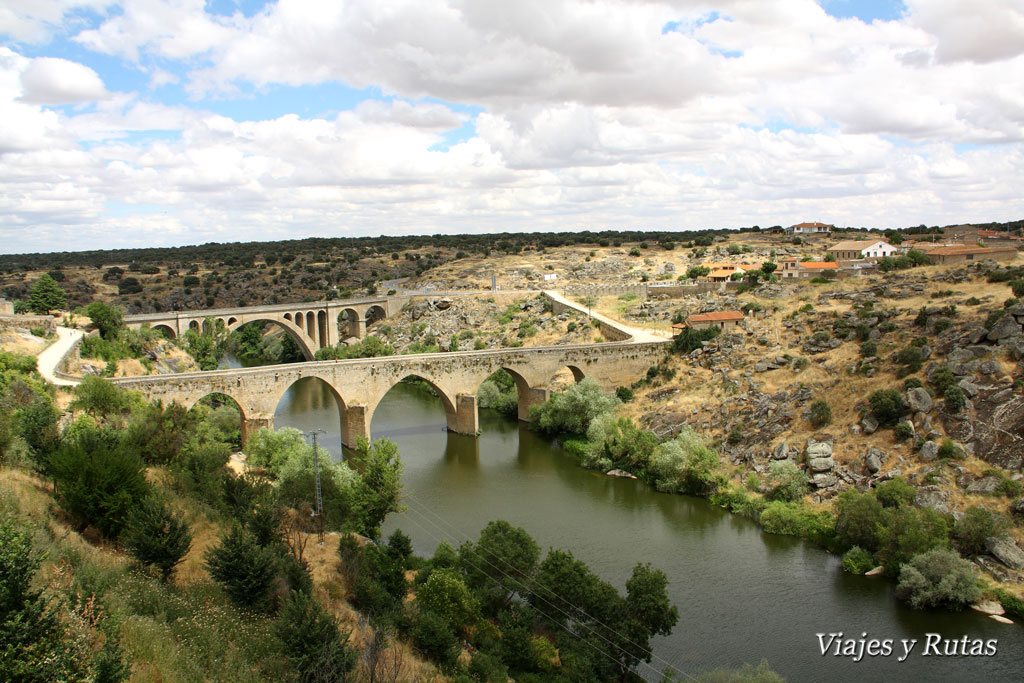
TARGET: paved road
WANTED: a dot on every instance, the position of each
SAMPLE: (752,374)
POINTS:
(639,335)
(53,354)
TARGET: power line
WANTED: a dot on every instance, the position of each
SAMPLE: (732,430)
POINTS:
(520,586)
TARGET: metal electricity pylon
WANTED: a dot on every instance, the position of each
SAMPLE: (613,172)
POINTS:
(318,510)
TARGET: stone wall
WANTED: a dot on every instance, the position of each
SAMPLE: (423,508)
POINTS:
(28,322)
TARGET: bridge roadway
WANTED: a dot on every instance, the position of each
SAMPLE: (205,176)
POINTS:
(360,384)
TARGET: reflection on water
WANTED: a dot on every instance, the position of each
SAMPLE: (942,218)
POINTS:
(743,595)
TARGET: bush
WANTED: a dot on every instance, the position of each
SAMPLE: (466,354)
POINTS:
(908,531)
(868,349)
(977,524)
(787,482)
(910,357)
(246,571)
(791,519)
(938,577)
(98,482)
(572,411)
(432,636)
(309,638)
(955,399)
(887,405)
(895,493)
(942,379)
(685,464)
(903,431)
(1018,288)
(821,414)
(949,451)
(691,339)
(858,516)
(157,537)
(624,394)
(856,560)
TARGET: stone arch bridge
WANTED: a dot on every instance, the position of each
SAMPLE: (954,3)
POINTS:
(360,384)
(312,325)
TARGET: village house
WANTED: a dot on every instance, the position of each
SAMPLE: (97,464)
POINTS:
(810,229)
(791,268)
(968,254)
(853,250)
(723,320)
(723,272)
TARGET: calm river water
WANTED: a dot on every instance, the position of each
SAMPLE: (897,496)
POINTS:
(743,595)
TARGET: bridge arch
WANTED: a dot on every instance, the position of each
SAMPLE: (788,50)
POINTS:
(348,322)
(375,313)
(297,335)
(216,397)
(165,330)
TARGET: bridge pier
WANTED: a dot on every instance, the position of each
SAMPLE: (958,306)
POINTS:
(355,424)
(253,423)
(533,397)
(360,328)
(465,419)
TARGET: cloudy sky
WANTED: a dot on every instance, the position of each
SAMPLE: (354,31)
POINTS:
(168,122)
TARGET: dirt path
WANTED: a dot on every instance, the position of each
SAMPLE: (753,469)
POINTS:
(639,335)
(52,355)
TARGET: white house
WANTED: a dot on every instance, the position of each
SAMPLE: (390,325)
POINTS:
(852,250)
(809,229)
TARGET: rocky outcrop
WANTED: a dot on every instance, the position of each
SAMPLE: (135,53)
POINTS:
(1006,551)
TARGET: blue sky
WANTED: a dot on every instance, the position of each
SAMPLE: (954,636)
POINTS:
(185,121)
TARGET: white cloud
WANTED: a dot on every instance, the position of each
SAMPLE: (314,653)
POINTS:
(48,80)
(590,115)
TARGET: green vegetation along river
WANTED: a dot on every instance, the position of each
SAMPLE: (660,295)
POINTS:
(743,595)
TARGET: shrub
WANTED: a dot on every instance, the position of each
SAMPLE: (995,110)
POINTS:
(858,516)
(434,638)
(856,560)
(977,524)
(955,399)
(246,571)
(821,413)
(735,435)
(942,379)
(912,383)
(157,537)
(1018,288)
(908,531)
(868,349)
(903,431)
(684,464)
(572,411)
(624,394)
(691,339)
(98,482)
(887,405)
(948,450)
(938,577)
(791,519)
(445,594)
(309,638)
(787,482)
(895,493)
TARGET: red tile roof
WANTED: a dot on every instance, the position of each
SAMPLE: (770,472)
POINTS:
(818,265)
(718,316)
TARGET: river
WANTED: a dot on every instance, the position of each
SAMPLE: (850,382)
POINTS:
(743,595)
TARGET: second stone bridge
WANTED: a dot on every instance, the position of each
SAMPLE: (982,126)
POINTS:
(360,384)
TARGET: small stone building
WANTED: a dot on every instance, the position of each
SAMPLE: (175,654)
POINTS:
(791,268)
(967,254)
(6,307)
(723,320)
(852,250)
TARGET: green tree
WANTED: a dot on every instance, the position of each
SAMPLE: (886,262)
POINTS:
(33,646)
(499,564)
(311,641)
(938,577)
(572,411)
(98,397)
(691,338)
(245,570)
(858,516)
(976,525)
(46,295)
(908,531)
(768,267)
(887,405)
(433,637)
(895,493)
(107,319)
(380,482)
(157,537)
(787,482)
(446,595)
(695,272)
(821,413)
(159,432)
(98,482)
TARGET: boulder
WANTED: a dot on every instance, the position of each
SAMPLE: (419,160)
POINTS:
(781,451)
(873,460)
(824,480)
(1006,551)
(869,424)
(818,447)
(932,497)
(989,367)
(919,400)
(988,607)
(984,485)
(929,451)
(822,464)
(1006,327)
(620,473)
(1018,507)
